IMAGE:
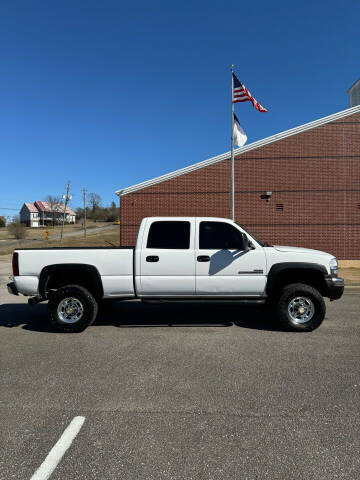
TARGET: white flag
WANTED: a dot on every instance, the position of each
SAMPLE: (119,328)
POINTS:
(239,135)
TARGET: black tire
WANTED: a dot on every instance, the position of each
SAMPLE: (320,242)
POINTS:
(85,308)
(289,306)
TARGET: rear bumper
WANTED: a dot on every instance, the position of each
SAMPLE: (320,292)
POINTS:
(27,284)
(334,286)
(12,288)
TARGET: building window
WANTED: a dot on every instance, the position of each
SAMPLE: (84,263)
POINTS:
(171,235)
(279,206)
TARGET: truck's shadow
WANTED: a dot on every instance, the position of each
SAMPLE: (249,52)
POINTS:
(138,315)
(22,315)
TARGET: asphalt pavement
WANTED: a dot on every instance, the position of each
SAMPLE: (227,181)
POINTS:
(181,391)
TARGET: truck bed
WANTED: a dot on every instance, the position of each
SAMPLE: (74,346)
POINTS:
(115,266)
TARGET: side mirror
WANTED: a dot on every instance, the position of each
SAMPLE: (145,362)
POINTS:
(244,244)
(251,245)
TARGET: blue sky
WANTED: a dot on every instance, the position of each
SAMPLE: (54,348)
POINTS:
(111,93)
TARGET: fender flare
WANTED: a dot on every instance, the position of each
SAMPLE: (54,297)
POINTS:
(278,268)
(92,274)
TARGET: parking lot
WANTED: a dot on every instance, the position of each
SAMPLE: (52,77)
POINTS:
(181,391)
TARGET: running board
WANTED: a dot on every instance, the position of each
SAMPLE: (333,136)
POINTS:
(243,301)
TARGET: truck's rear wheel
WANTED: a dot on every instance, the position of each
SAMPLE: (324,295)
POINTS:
(71,309)
(300,308)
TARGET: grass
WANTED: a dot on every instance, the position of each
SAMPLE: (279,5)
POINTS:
(351,275)
(93,239)
(35,233)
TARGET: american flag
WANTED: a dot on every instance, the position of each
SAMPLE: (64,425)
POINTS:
(242,94)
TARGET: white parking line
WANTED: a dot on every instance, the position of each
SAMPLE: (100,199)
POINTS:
(58,450)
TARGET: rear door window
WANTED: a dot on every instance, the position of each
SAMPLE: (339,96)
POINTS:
(169,235)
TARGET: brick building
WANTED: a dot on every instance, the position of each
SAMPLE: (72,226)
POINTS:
(312,172)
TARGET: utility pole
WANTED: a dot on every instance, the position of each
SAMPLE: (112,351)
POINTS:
(66,197)
(84,193)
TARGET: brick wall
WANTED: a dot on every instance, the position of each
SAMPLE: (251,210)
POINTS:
(314,176)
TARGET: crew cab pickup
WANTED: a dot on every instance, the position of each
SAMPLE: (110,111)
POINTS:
(179,258)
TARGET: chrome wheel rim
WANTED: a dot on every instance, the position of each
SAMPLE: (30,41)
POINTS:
(301,309)
(70,310)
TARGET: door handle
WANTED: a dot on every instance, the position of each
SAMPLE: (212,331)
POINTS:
(203,258)
(152,258)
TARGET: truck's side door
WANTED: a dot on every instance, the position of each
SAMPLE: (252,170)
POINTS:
(222,269)
(167,259)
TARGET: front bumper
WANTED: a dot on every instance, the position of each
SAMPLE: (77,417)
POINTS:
(12,288)
(334,286)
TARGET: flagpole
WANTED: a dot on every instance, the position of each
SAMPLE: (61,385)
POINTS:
(232,148)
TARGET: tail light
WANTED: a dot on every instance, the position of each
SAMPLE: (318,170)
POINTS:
(15,264)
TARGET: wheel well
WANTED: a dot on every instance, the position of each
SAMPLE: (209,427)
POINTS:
(54,277)
(309,276)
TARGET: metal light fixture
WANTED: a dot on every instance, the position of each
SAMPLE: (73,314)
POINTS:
(266,196)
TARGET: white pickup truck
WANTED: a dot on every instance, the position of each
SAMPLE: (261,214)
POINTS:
(179,258)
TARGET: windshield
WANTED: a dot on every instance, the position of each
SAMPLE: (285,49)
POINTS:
(261,243)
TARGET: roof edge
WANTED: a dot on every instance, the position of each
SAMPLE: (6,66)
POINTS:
(239,151)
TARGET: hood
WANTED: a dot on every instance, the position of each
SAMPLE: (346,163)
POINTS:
(281,248)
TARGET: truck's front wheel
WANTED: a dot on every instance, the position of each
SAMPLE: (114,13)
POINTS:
(300,308)
(71,309)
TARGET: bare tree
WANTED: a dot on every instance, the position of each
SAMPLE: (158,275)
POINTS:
(113,213)
(94,201)
(53,202)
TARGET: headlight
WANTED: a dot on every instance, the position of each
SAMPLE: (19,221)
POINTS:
(333,266)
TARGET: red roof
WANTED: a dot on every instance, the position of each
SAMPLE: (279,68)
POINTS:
(31,207)
(40,206)
(70,211)
(59,207)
